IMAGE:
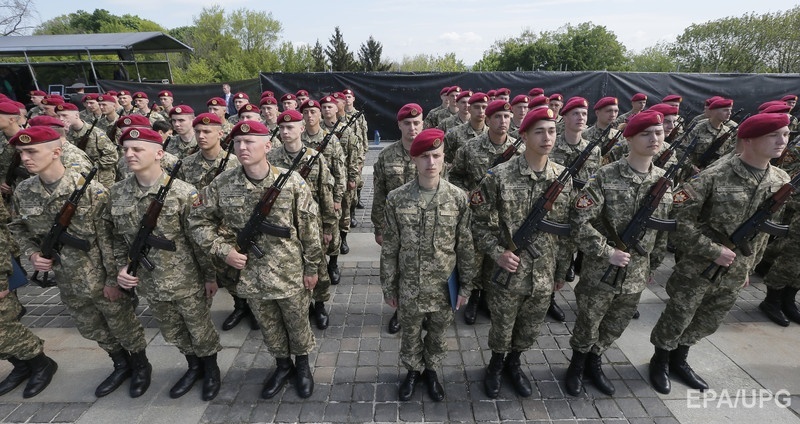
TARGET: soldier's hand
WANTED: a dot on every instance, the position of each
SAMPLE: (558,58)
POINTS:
(351,185)
(5,188)
(462,300)
(236,259)
(379,239)
(41,264)
(310,281)
(726,257)
(112,293)
(4,293)
(326,238)
(558,285)
(620,258)
(508,261)
(391,301)
(125,280)
(337,206)
(211,289)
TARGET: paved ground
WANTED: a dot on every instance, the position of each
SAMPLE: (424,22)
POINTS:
(357,371)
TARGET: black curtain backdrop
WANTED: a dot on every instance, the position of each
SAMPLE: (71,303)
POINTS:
(381,95)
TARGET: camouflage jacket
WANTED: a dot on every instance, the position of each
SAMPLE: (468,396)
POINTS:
(6,155)
(361,130)
(422,245)
(100,150)
(180,148)
(351,150)
(89,117)
(75,158)
(335,157)
(474,159)
(706,134)
(431,121)
(7,245)
(435,117)
(594,132)
(456,138)
(199,172)
(450,123)
(229,201)
(393,168)
(563,154)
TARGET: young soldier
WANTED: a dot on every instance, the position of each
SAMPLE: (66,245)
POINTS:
(519,108)
(451,109)
(166,99)
(180,287)
(289,102)
(36,99)
(183,142)
(426,235)
(708,207)
(606,111)
(500,205)
(277,286)
(142,104)
(601,213)
(108,107)
(91,113)
(394,168)
(430,120)
(9,127)
(125,100)
(302,96)
(473,128)
(462,116)
(93,141)
(638,103)
(71,156)
(361,132)
(250,112)
(719,114)
(99,308)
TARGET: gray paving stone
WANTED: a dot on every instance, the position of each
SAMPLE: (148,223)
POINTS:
(264,411)
(631,407)
(312,412)
(459,410)
(607,408)
(386,412)
(485,411)
(240,412)
(434,411)
(214,413)
(24,412)
(655,407)
(411,411)
(47,412)
(7,408)
(510,410)
(558,409)
(583,408)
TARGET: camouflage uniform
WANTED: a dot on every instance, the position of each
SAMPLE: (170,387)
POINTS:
(450,123)
(167,162)
(563,154)
(105,125)
(623,118)
(393,168)
(706,134)
(456,138)
(422,244)
(87,116)
(594,132)
(431,120)
(786,266)
(199,172)
(175,288)
(361,131)
(180,148)
(440,115)
(100,150)
(6,155)
(351,154)
(273,284)
(611,198)
(336,159)
(713,204)
(75,158)
(81,275)
(506,197)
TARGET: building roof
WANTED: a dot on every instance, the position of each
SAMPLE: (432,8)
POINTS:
(53,45)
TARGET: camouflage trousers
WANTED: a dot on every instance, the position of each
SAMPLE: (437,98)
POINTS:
(113,325)
(695,309)
(284,324)
(16,340)
(485,273)
(347,200)
(516,318)
(417,352)
(786,266)
(186,323)
(322,291)
(336,241)
(602,317)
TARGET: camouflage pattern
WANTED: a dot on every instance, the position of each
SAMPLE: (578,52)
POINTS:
(791,162)
(167,162)
(435,117)
(276,141)
(81,275)
(563,154)
(393,168)
(180,148)
(227,128)
(418,352)
(152,116)
(87,116)
(35,111)
(513,129)
(786,266)
(706,134)
(335,157)
(602,317)
(351,152)
(450,123)
(474,158)
(187,324)
(284,324)
(199,172)
(594,132)
(620,150)
(100,150)
(623,118)
(6,155)
(500,205)
(105,125)
(456,138)
(714,203)
(75,159)
(431,121)
(233,120)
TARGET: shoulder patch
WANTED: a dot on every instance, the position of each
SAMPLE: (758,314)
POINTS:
(197,200)
(476,198)
(681,196)
(585,201)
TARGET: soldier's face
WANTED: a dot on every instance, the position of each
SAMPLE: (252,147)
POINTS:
(504,97)
(607,114)
(477,110)
(124,100)
(767,146)
(107,107)
(217,110)
(349,99)
(575,119)
(289,105)
(270,113)
(639,105)
(250,116)
(91,105)
(7,120)
(329,110)
(291,131)
(49,110)
(39,157)
(791,103)
(301,99)
(251,149)
(208,136)
(68,117)
(463,105)
(451,98)
(311,116)
(182,124)
(721,114)
(410,128)
(140,103)
(238,103)
(429,164)
(540,138)
(670,121)
(37,100)
(648,142)
(519,111)
(676,104)
(499,122)
(555,106)
(141,155)
(166,102)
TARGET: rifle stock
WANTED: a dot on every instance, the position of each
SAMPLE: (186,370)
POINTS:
(712,153)
(228,152)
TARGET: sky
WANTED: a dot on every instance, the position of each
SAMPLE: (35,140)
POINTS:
(465,27)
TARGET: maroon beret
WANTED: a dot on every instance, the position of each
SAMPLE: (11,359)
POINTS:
(38,93)
(347,91)
(535,116)
(538,101)
(124,93)
(207,119)
(309,104)
(268,101)
(34,135)
(556,97)
(19,105)
(112,93)
(782,108)
(90,96)
(165,93)
(301,93)
(134,120)
(497,106)
(106,98)
(248,108)
(338,96)
(443,91)
(288,96)
(765,105)
(327,99)
(53,101)
(290,116)
(574,103)
(66,106)
(479,97)
(454,89)
(428,139)
(249,128)
(672,98)
(638,97)
(140,95)
(181,110)
(463,94)
(642,121)
(762,124)
(491,93)
(721,103)
(216,101)
(241,95)
(45,121)
(789,98)
(141,134)
(8,108)
(502,92)
(520,98)
(410,110)
(536,91)
(711,100)
(267,93)
(664,109)
(606,101)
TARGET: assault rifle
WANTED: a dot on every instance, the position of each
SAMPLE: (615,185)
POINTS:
(145,240)
(58,235)
(350,122)
(610,144)
(712,153)
(306,168)
(85,139)
(536,221)
(246,239)
(583,156)
(676,129)
(643,218)
(780,159)
(758,222)
(664,157)
(228,152)
(508,153)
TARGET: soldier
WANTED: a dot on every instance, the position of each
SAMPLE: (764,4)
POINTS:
(451,109)
(500,205)
(361,132)
(269,115)
(555,102)
(605,110)
(638,103)
(108,107)
(394,168)
(430,120)
(9,127)
(301,96)
(471,163)
(166,99)
(503,94)
(142,104)
(18,345)
(320,182)
(705,114)
(289,102)
(93,141)
(277,286)
(92,112)
(239,99)
(71,156)
(183,143)
(137,121)
(781,280)
(36,98)
(601,212)
(492,95)
(706,131)
(537,92)
(125,101)
(673,100)
(706,208)
(476,126)
(462,104)
(49,105)
(180,287)
(99,308)
(426,236)
(791,101)
(519,108)
(219,107)
(250,112)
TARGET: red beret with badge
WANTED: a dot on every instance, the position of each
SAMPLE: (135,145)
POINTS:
(338,96)
(181,110)
(267,93)
(249,128)
(789,98)
(216,101)
(268,101)
(249,108)
(45,121)
(38,93)
(502,92)
(765,105)
(327,99)
(536,115)
(140,95)
(288,96)
(347,91)
(762,124)
(520,98)
(720,103)
(241,95)
(466,93)
(782,108)
(107,98)
(309,104)
(7,108)
(453,89)
(556,97)
(538,101)
(711,100)
(479,98)
(290,116)
(53,101)
(606,101)
(34,135)
(90,96)
(638,97)
(642,121)
(207,119)
(497,106)
(536,91)
(410,110)
(301,93)
(135,120)
(672,98)
(124,93)
(141,134)
(491,93)
(428,139)
(165,93)
(574,103)
(665,109)
(67,106)
(443,91)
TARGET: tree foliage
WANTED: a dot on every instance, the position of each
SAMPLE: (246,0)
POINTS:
(99,21)
(15,16)
(318,58)
(429,63)
(369,55)
(655,58)
(339,54)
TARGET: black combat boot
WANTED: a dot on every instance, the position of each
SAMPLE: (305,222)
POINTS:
(554,311)
(394,324)
(239,312)
(333,270)
(20,373)
(570,276)
(211,378)
(194,373)
(320,315)
(772,306)
(359,205)
(518,378)
(304,381)
(594,370)
(573,381)
(659,371)
(494,375)
(353,221)
(435,389)
(284,368)
(122,371)
(42,369)
(679,366)
(636,314)
(471,311)
(789,305)
(141,372)
(406,391)
(343,248)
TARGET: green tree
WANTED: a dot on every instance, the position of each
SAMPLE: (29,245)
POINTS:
(369,55)
(655,58)
(429,63)
(99,21)
(295,59)
(15,16)
(318,59)
(339,54)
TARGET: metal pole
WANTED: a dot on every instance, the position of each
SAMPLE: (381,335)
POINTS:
(30,68)
(136,64)
(169,67)
(91,63)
